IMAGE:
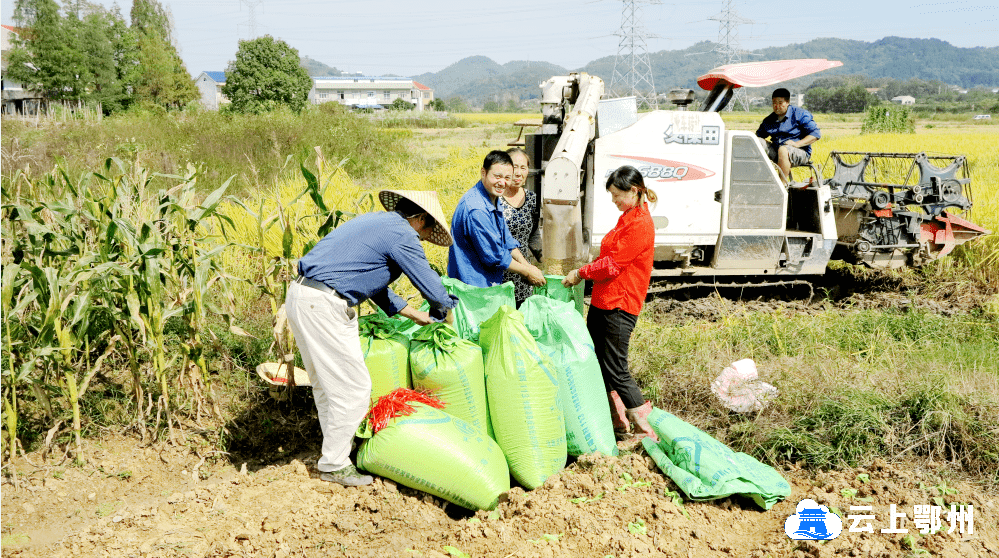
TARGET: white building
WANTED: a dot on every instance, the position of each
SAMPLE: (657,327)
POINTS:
(351,90)
(903,100)
(369,91)
(210,85)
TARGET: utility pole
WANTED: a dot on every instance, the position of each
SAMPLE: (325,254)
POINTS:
(727,47)
(251,6)
(632,69)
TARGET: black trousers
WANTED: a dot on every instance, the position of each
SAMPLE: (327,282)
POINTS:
(611,333)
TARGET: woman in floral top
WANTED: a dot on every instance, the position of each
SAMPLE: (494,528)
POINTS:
(520,208)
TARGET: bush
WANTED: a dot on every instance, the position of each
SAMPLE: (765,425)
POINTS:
(883,119)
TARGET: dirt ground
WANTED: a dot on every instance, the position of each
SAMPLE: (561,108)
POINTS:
(164,501)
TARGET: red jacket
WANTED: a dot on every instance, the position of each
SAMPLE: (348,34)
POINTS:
(622,272)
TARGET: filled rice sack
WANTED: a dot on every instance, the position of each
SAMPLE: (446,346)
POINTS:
(386,353)
(416,444)
(476,305)
(561,333)
(522,390)
(451,368)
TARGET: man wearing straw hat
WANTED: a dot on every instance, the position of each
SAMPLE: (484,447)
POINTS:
(354,263)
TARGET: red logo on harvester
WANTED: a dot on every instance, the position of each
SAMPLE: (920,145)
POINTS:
(664,170)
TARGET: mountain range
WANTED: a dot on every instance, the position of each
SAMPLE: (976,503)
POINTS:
(479,78)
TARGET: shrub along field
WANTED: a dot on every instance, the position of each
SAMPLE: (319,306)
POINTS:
(145,258)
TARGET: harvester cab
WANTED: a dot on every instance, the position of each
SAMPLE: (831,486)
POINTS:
(723,208)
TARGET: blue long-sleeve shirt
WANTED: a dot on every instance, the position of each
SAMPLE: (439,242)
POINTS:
(360,258)
(796,124)
(483,245)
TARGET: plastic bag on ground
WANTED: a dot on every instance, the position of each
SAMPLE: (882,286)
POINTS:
(561,333)
(452,369)
(476,305)
(386,353)
(522,389)
(706,469)
(740,389)
(425,448)
(554,290)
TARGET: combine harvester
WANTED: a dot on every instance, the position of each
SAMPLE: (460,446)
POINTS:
(723,209)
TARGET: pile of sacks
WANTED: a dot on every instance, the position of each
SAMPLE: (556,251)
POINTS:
(514,393)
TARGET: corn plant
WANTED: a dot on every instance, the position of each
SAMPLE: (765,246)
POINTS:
(95,269)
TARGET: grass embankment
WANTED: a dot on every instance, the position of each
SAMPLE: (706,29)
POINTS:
(854,384)
(254,149)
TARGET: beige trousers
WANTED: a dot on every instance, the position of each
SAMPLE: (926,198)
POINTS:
(325,330)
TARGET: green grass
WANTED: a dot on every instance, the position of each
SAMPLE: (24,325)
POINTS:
(254,149)
(854,384)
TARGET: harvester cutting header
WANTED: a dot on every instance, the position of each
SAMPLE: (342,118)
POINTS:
(724,208)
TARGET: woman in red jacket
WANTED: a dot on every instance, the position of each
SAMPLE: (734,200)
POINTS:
(620,278)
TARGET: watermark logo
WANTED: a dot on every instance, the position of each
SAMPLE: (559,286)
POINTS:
(811,521)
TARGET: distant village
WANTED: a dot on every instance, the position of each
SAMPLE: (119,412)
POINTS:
(354,91)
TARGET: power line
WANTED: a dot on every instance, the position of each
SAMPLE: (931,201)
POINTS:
(728,48)
(632,69)
(251,23)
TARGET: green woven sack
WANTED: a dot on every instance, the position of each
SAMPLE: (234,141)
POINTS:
(522,389)
(554,290)
(451,368)
(476,305)
(562,335)
(707,469)
(386,353)
(432,451)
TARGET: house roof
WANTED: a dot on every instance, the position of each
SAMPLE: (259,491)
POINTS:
(12,29)
(419,85)
(217,77)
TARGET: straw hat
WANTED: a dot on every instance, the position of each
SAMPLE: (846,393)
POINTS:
(427,201)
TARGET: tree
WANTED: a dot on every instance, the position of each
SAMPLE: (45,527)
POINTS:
(842,99)
(44,57)
(163,80)
(401,104)
(265,74)
(438,105)
(491,106)
(457,104)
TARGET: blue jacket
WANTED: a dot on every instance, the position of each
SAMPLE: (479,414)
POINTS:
(796,124)
(483,245)
(362,257)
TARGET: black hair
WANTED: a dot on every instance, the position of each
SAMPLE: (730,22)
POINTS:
(496,157)
(782,93)
(513,150)
(627,177)
(409,209)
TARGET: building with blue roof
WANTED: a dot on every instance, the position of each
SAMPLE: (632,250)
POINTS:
(210,85)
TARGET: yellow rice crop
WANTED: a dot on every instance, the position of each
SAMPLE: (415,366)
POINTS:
(983,163)
(495,117)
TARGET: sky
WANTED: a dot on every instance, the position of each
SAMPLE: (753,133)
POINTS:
(378,37)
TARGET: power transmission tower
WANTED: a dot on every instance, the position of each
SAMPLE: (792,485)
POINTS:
(728,49)
(251,23)
(632,69)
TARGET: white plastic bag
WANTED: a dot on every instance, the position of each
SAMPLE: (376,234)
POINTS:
(740,389)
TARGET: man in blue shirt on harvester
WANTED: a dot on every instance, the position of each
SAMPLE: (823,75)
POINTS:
(354,263)
(483,246)
(791,130)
